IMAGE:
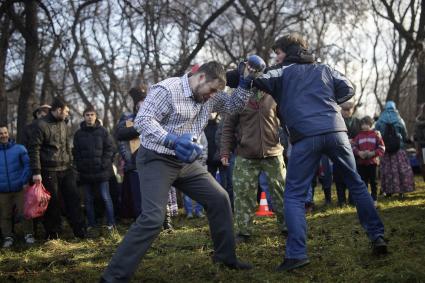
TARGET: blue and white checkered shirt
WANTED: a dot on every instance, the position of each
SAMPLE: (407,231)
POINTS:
(170,108)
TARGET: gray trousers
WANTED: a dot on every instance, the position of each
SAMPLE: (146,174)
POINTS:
(157,174)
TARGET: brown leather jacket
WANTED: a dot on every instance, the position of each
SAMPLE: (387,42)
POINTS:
(256,130)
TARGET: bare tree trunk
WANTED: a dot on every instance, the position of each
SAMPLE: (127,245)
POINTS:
(420,98)
(26,96)
(4,43)
(396,82)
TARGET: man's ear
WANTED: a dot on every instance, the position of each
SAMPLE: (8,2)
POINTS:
(202,77)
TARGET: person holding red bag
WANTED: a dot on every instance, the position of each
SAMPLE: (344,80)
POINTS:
(50,160)
(14,175)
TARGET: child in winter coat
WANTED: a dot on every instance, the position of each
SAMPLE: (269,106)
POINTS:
(368,146)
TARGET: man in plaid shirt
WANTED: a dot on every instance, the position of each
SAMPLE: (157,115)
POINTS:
(170,121)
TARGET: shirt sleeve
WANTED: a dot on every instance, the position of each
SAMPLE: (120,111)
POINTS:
(153,110)
(270,82)
(344,90)
(235,102)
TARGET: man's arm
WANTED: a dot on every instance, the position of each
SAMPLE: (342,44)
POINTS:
(35,143)
(233,103)
(228,137)
(108,150)
(344,90)
(147,122)
(271,82)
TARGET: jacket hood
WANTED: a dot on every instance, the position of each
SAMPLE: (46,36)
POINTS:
(390,115)
(390,105)
(298,54)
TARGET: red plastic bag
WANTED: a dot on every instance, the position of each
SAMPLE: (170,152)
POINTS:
(36,200)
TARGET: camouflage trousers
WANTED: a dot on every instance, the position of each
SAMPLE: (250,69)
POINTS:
(245,185)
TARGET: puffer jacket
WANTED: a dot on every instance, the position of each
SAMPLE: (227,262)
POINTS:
(93,151)
(258,130)
(49,147)
(14,167)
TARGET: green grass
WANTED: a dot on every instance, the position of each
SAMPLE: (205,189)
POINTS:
(338,248)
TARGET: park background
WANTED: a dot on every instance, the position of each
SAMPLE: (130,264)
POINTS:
(91,52)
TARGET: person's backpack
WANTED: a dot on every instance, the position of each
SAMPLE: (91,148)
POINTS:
(391,139)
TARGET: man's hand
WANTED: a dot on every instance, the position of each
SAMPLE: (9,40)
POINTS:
(225,160)
(185,147)
(36,178)
(249,70)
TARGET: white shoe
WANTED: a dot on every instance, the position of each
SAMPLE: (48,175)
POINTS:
(8,242)
(29,239)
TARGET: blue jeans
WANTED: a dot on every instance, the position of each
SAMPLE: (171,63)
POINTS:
(103,187)
(187,201)
(302,163)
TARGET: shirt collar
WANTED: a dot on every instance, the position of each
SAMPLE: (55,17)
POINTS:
(187,92)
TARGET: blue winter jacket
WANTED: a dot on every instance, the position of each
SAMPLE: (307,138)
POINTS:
(390,115)
(14,167)
(307,96)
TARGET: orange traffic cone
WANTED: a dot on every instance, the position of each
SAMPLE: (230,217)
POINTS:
(263,209)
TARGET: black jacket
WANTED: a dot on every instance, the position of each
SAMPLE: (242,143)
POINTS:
(49,147)
(213,147)
(93,151)
(28,133)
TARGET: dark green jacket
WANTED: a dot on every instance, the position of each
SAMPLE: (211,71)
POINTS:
(49,148)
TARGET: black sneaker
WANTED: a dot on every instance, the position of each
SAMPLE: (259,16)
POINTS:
(379,246)
(239,239)
(292,263)
(237,265)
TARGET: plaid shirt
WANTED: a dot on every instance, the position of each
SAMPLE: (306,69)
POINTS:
(170,108)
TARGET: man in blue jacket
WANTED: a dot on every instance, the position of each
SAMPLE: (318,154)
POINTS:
(14,174)
(308,95)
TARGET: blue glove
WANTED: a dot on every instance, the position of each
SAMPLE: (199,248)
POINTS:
(256,64)
(184,146)
(170,141)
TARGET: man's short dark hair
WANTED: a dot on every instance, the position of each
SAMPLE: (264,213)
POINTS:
(366,120)
(4,126)
(89,109)
(58,103)
(284,42)
(213,70)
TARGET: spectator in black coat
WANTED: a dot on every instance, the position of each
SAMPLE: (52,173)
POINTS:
(93,151)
